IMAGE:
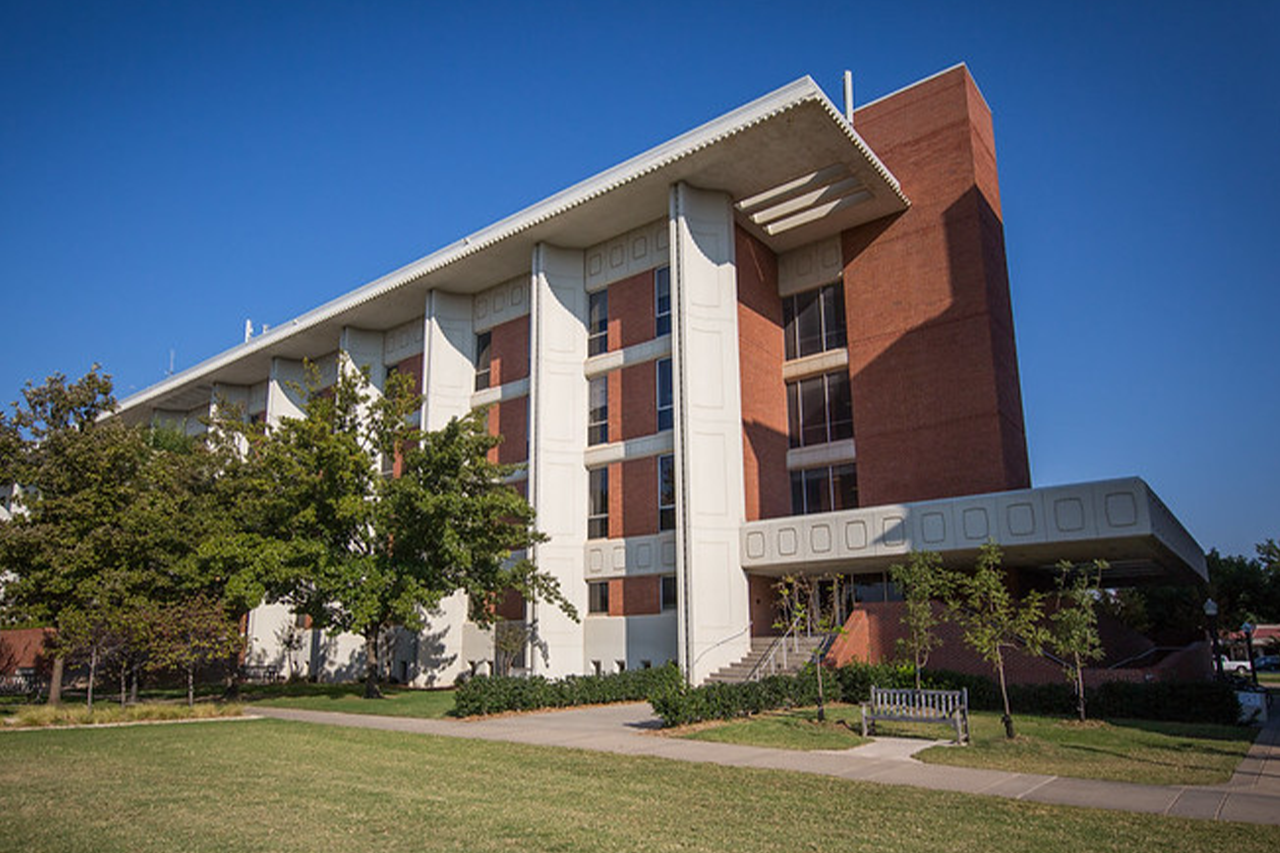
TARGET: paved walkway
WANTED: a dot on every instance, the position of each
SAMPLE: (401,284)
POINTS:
(1252,795)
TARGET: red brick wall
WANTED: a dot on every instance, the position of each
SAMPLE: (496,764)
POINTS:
(508,419)
(638,596)
(936,399)
(509,356)
(633,401)
(631,310)
(412,366)
(764,395)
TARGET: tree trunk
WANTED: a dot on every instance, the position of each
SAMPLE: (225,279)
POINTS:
(191,685)
(822,710)
(133,684)
(93,673)
(1080,687)
(1007,719)
(124,685)
(919,666)
(55,680)
(371,690)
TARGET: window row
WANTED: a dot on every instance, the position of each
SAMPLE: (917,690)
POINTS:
(827,489)
(598,312)
(598,498)
(598,595)
(598,403)
(814,321)
(819,410)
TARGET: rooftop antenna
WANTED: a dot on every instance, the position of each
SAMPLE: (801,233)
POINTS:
(248,330)
(848,97)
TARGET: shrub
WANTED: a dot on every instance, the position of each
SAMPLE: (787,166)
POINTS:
(496,694)
(38,716)
(1172,701)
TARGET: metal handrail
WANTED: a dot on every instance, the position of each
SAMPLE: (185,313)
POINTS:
(771,653)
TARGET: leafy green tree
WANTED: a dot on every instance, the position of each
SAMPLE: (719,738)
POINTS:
(923,582)
(995,621)
(360,552)
(1073,627)
(188,634)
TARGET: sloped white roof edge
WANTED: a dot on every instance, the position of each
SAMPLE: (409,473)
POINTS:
(780,100)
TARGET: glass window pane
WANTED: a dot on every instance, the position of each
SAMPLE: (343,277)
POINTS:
(833,321)
(817,490)
(813,411)
(840,406)
(665,411)
(598,416)
(668,592)
(869,589)
(662,301)
(484,355)
(666,493)
(808,323)
(789,326)
(844,486)
(797,493)
(598,322)
(793,414)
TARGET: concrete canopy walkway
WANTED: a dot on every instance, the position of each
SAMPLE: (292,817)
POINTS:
(1251,796)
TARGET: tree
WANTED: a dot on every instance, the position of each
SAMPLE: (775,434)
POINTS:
(78,473)
(1073,627)
(994,620)
(800,599)
(362,553)
(189,634)
(922,581)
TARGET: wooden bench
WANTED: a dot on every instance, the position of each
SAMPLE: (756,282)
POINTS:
(257,674)
(917,706)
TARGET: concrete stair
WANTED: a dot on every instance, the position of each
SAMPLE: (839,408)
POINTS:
(799,652)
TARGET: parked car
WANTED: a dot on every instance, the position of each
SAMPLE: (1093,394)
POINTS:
(1267,663)
(1234,667)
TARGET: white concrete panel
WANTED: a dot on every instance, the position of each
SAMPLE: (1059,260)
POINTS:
(506,391)
(650,350)
(449,372)
(404,341)
(286,390)
(558,433)
(833,453)
(813,265)
(634,555)
(630,253)
(633,448)
(633,639)
(501,303)
(365,350)
(714,622)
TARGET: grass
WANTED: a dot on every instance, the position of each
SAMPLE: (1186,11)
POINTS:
(1123,751)
(797,728)
(270,785)
(349,699)
(40,716)
(1269,679)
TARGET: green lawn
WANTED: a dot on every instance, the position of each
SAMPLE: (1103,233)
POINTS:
(794,729)
(1125,751)
(349,699)
(270,785)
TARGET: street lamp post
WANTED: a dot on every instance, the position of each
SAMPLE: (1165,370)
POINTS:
(1211,613)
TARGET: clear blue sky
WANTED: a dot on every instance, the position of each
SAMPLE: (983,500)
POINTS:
(169,169)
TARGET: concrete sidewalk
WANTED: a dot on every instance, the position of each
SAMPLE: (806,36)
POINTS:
(1252,795)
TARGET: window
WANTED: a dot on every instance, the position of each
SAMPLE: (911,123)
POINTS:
(814,321)
(819,410)
(668,592)
(598,414)
(622,665)
(484,354)
(598,516)
(824,489)
(598,323)
(666,492)
(666,414)
(598,598)
(662,301)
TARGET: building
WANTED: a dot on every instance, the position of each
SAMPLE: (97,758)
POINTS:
(779,342)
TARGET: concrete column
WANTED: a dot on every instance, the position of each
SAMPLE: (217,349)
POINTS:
(286,390)
(557,438)
(714,620)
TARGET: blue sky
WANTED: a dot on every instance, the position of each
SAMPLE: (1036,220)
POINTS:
(170,169)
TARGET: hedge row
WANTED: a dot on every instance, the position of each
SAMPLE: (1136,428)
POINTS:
(1191,702)
(495,694)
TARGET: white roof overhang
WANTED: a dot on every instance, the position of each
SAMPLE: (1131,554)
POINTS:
(1121,521)
(795,169)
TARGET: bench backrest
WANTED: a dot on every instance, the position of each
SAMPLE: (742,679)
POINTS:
(919,703)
